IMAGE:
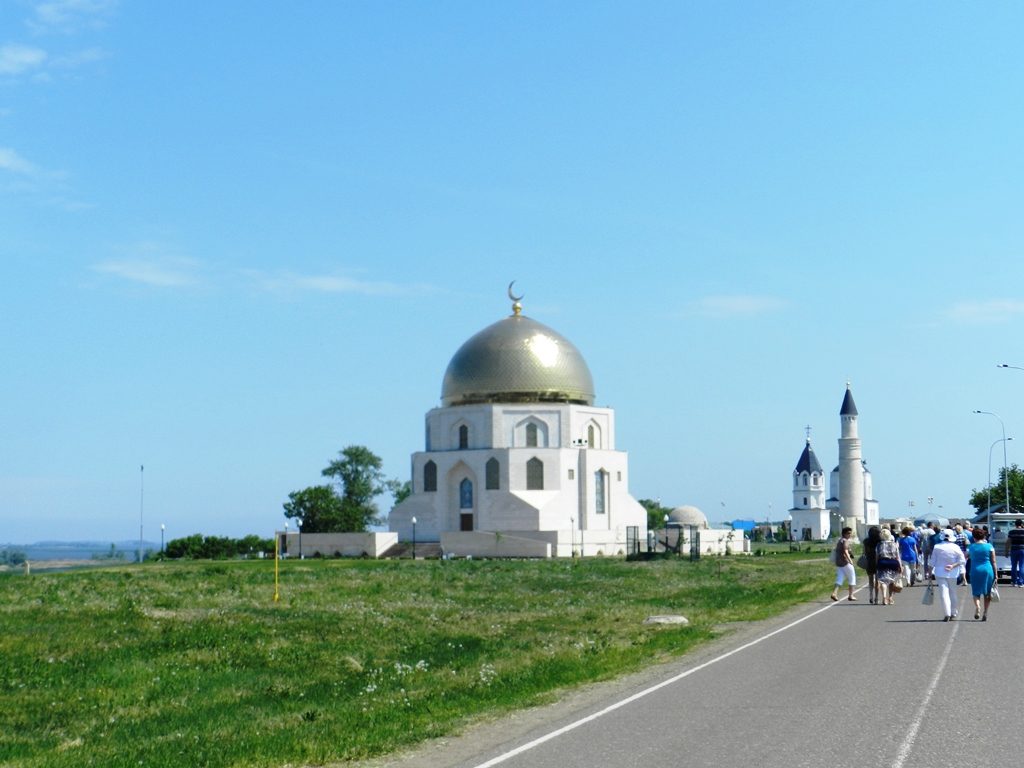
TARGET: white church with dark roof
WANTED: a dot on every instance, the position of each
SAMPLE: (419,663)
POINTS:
(518,451)
(851,501)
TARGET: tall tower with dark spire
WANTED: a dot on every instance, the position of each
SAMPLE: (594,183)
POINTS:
(851,467)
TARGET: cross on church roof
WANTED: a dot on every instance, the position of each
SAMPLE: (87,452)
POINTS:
(808,428)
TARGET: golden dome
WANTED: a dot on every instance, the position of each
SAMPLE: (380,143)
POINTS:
(517,360)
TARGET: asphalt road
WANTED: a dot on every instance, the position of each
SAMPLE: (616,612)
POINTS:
(847,684)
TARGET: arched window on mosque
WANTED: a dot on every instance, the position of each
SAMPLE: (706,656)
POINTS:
(531,435)
(590,437)
(463,437)
(430,476)
(466,494)
(535,474)
(491,475)
(600,492)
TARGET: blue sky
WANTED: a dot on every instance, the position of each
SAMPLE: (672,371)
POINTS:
(237,237)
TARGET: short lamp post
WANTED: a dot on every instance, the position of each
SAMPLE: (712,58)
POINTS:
(414,537)
(666,533)
(572,537)
(298,522)
(286,538)
(161,540)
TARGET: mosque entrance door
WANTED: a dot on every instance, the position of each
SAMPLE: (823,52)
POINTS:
(466,505)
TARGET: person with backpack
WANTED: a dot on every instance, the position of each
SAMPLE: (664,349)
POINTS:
(844,566)
(887,563)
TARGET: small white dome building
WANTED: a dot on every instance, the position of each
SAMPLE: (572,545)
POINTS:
(687,516)
(518,448)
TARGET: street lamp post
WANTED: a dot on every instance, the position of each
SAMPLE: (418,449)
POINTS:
(997,442)
(572,537)
(1006,476)
(161,540)
(298,522)
(414,537)
(666,533)
(286,537)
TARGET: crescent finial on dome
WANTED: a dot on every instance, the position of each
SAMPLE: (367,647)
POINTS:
(516,306)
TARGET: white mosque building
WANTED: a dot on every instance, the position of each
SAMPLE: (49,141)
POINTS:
(851,501)
(518,456)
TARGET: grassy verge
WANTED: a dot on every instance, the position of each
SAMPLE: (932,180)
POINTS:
(194,664)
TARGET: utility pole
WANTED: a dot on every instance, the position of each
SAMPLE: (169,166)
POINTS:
(142,497)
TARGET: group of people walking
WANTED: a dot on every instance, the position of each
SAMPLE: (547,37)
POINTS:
(894,559)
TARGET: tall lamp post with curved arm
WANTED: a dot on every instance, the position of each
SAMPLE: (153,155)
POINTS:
(1006,476)
(1003,440)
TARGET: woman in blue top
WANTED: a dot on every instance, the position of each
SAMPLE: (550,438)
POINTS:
(983,572)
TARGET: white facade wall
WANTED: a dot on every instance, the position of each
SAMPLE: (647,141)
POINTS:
(568,501)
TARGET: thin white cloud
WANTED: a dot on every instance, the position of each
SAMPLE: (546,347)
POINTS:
(70,16)
(18,59)
(159,273)
(79,58)
(12,161)
(987,312)
(733,306)
(288,282)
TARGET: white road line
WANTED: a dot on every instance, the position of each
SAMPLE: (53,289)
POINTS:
(908,742)
(582,721)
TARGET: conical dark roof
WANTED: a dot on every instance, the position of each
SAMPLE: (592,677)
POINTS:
(849,407)
(808,461)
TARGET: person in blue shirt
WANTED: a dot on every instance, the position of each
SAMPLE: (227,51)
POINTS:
(908,555)
(1015,551)
(983,572)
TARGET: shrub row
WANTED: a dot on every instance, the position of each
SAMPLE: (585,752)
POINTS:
(199,547)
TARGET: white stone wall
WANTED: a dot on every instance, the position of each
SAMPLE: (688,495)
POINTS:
(568,501)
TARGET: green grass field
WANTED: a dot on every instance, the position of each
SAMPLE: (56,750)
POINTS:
(193,664)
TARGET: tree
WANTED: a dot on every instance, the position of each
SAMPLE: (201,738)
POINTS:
(400,491)
(321,510)
(1015,476)
(655,513)
(358,473)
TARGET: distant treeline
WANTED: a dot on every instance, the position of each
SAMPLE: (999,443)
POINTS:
(199,547)
(11,557)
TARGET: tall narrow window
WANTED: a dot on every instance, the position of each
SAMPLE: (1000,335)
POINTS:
(466,494)
(590,437)
(430,476)
(463,437)
(531,435)
(428,437)
(491,467)
(535,474)
(600,495)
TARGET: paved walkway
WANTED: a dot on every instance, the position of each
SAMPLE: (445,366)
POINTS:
(839,684)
